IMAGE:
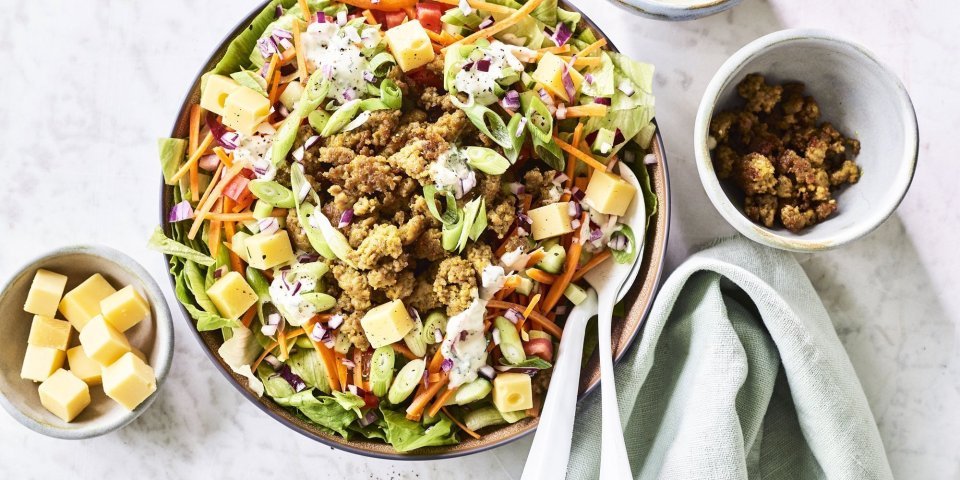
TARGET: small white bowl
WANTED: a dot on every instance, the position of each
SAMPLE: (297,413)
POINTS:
(675,10)
(154,338)
(858,94)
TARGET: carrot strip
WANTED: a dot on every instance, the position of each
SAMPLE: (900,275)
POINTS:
(572,160)
(480,5)
(560,49)
(588,110)
(573,260)
(541,276)
(282,340)
(438,49)
(441,39)
(213,182)
(275,88)
(370,18)
(304,9)
(193,145)
(263,355)
(204,208)
(403,350)
(582,62)
(462,426)
(248,317)
(592,47)
(385,5)
(537,318)
(502,248)
(246,199)
(415,410)
(357,367)
(328,360)
(272,68)
(204,145)
(504,293)
(435,362)
(297,42)
(213,235)
(566,147)
(442,399)
(593,262)
(288,55)
(225,158)
(243,216)
(526,313)
(535,257)
(502,25)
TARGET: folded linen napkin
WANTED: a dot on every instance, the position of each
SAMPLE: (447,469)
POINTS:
(738,374)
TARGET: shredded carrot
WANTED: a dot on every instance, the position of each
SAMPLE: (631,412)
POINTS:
(415,410)
(193,145)
(403,350)
(537,318)
(588,110)
(532,307)
(329,362)
(589,160)
(244,202)
(204,145)
(357,367)
(573,260)
(441,39)
(596,260)
(225,158)
(554,50)
(341,369)
(288,55)
(304,10)
(515,16)
(572,160)
(263,355)
(301,60)
(213,235)
(442,399)
(535,257)
(272,68)
(526,200)
(581,183)
(462,426)
(370,18)
(204,208)
(438,49)
(282,340)
(592,47)
(435,362)
(582,62)
(504,292)
(480,5)
(213,182)
(248,317)
(541,276)
(243,216)
(275,88)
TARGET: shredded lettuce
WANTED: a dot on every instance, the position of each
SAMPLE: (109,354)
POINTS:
(326,412)
(307,365)
(406,435)
(172,151)
(632,114)
(251,80)
(163,244)
(239,51)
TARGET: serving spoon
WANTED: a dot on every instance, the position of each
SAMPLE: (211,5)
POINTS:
(550,452)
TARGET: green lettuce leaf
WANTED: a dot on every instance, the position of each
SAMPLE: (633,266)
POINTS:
(237,56)
(628,254)
(307,365)
(274,385)
(406,435)
(349,401)
(172,151)
(603,84)
(205,321)
(531,362)
(197,283)
(324,411)
(162,243)
(251,80)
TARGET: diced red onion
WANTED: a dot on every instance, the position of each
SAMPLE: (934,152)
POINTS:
(219,272)
(283,111)
(414,314)
(561,34)
(618,241)
(626,87)
(575,223)
(286,44)
(281,33)
(511,100)
(272,361)
(574,209)
(465,7)
(545,97)
(296,288)
(488,372)
(496,336)
(327,70)
(485,23)
(524,220)
(268,330)
(268,226)
(369,76)
(483,65)
(209,162)
(602,101)
(588,78)
(335,321)
(273,319)
(584,232)
(520,127)
(446,365)
(595,234)
(353,389)
(267,47)
(310,141)
(321,17)
(349,364)
(371,416)
(349,94)
(568,85)
(292,378)
(302,194)
(345,218)
(180,212)
(468,66)
(516,188)
(650,159)
(577,194)
(318,332)
(561,112)
(513,315)
(278,12)
(342,17)
(522,232)
(437,335)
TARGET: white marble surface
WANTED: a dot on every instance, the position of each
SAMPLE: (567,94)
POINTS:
(86,87)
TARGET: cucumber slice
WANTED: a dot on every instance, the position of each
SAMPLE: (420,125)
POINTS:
(262,210)
(553,260)
(406,381)
(514,417)
(539,334)
(525,287)
(483,417)
(471,392)
(510,345)
(604,141)
(381,370)
(575,294)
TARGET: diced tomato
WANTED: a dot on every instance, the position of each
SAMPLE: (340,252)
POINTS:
(541,347)
(422,76)
(392,19)
(429,14)
(236,187)
(246,172)
(370,400)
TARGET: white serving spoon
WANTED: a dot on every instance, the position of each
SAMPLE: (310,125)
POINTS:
(550,452)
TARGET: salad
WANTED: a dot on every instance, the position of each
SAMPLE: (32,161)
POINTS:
(387,207)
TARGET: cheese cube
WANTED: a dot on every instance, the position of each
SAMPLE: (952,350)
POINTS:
(50,333)
(291,95)
(40,362)
(386,323)
(64,395)
(232,295)
(137,353)
(83,302)
(214,94)
(245,109)
(512,392)
(103,343)
(550,220)
(267,250)
(549,73)
(129,381)
(410,45)
(83,366)
(125,308)
(608,193)
(45,292)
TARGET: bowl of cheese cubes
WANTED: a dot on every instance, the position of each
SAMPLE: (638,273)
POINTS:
(87,341)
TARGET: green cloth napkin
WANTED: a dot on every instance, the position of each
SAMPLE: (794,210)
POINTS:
(738,374)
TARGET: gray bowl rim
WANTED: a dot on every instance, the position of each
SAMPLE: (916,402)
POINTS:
(711,183)
(675,13)
(164,339)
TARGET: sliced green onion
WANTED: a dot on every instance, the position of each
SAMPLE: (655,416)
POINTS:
(318,119)
(272,193)
(341,118)
(434,327)
(518,134)
(510,345)
(483,417)
(486,160)
(487,121)
(414,339)
(381,64)
(390,94)
(262,210)
(407,379)
(381,370)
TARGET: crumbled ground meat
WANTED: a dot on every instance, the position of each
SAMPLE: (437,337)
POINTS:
(479,255)
(354,331)
(299,236)
(501,216)
(455,284)
(773,149)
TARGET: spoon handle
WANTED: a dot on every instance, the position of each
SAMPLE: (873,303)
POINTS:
(550,451)
(614,463)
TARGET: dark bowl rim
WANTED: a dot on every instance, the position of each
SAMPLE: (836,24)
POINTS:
(663,209)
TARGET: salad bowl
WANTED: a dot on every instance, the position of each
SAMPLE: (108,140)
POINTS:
(638,301)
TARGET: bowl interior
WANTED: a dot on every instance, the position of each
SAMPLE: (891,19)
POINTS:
(863,100)
(103,414)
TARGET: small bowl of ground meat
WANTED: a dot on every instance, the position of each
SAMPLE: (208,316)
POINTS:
(805,141)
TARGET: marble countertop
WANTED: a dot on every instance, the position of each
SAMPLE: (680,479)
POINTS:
(87,87)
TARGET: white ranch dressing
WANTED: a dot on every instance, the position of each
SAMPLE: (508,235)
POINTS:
(465,344)
(482,85)
(339,50)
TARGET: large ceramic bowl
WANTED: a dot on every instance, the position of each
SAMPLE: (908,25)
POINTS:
(858,94)
(639,299)
(675,10)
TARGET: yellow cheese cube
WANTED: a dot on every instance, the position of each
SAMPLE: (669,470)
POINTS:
(137,353)
(40,362)
(83,303)
(268,250)
(83,366)
(45,292)
(232,295)
(410,45)
(386,323)
(50,333)
(608,193)
(512,392)
(245,109)
(64,395)
(101,342)
(291,95)
(550,220)
(125,308)
(129,381)
(549,73)
(214,94)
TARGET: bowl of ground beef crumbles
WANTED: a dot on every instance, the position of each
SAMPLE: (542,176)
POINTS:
(377,215)
(805,141)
